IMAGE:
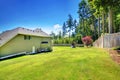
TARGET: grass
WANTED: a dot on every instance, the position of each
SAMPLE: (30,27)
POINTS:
(64,63)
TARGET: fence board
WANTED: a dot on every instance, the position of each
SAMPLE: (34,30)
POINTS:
(108,41)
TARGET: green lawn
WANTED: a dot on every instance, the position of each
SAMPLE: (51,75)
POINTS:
(64,63)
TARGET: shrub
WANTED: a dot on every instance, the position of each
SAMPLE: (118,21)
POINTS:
(117,48)
(87,40)
(66,41)
(55,41)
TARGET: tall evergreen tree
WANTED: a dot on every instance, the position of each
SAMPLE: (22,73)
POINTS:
(69,24)
(59,35)
(64,29)
(75,24)
(52,34)
(84,14)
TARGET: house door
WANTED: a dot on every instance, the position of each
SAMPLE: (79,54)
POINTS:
(33,49)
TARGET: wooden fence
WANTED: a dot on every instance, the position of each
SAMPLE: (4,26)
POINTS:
(108,41)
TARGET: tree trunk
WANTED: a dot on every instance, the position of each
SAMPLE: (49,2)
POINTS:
(83,26)
(93,21)
(69,34)
(110,20)
(114,23)
(106,24)
(98,25)
(103,22)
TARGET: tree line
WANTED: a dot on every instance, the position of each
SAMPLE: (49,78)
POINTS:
(96,18)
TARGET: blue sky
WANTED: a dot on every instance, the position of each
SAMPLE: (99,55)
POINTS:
(48,15)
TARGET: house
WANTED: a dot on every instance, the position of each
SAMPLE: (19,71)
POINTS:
(21,40)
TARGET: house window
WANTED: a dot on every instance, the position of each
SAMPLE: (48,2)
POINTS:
(44,42)
(27,37)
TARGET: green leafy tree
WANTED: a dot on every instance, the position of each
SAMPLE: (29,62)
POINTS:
(110,5)
(118,23)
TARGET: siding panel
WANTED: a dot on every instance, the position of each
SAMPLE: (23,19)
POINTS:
(18,44)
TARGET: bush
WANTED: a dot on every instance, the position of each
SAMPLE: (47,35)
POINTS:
(66,40)
(55,41)
(87,40)
(63,41)
(117,48)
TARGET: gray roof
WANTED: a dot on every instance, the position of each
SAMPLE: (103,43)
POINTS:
(9,34)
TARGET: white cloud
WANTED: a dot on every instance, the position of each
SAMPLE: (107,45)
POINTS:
(48,29)
(57,26)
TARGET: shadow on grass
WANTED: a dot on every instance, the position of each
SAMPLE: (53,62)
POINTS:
(8,58)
